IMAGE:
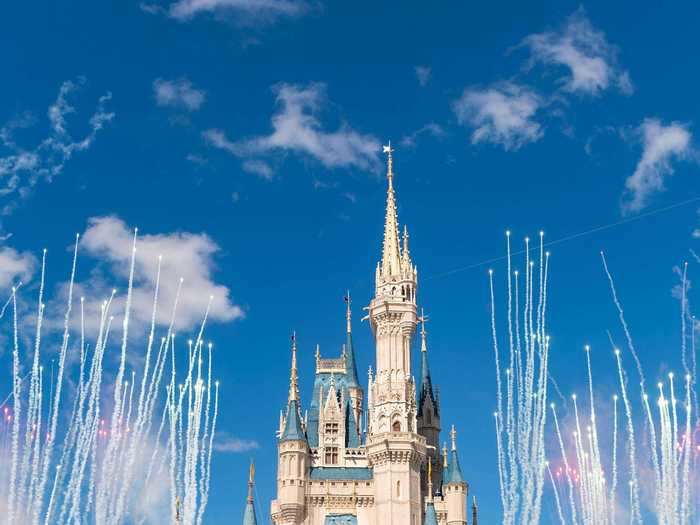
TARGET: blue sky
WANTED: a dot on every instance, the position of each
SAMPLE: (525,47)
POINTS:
(243,139)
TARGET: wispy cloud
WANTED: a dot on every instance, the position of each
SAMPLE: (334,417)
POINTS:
(224,442)
(502,114)
(22,167)
(432,129)
(662,145)
(297,128)
(423,74)
(590,60)
(259,167)
(188,256)
(180,94)
(247,12)
(15,267)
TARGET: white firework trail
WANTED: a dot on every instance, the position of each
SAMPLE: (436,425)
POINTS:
(584,489)
(520,430)
(82,464)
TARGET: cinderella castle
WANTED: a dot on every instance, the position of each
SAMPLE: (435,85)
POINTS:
(370,456)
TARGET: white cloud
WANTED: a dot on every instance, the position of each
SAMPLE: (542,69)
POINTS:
(591,61)
(224,442)
(15,267)
(501,114)
(190,256)
(662,145)
(296,127)
(242,11)
(178,94)
(423,74)
(431,128)
(258,167)
(21,168)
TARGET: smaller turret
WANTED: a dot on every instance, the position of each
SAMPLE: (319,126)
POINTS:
(293,453)
(455,489)
(249,517)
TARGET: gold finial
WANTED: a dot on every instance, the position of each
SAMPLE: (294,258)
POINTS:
(430,479)
(453,435)
(178,519)
(444,455)
(293,380)
(348,313)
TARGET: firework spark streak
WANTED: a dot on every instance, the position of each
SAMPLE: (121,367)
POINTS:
(581,492)
(83,463)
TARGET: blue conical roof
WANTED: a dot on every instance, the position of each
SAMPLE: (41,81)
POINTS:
(454,471)
(350,365)
(430,514)
(249,515)
(292,424)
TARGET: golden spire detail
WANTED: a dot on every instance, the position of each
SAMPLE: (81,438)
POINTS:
(430,479)
(444,455)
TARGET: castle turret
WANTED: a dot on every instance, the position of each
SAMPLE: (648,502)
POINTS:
(395,450)
(249,517)
(293,455)
(428,407)
(455,489)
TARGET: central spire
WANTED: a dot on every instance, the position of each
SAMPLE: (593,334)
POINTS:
(391,253)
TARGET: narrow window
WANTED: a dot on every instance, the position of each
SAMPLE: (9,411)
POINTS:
(396,427)
(398,489)
(331,455)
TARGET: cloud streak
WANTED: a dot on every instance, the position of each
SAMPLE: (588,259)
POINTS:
(245,12)
(297,128)
(662,146)
(502,114)
(22,168)
(227,443)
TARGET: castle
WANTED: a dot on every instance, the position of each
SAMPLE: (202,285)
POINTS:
(351,460)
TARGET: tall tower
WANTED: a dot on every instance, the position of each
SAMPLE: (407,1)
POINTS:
(395,449)
(293,453)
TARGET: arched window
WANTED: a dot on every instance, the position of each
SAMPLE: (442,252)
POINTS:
(396,427)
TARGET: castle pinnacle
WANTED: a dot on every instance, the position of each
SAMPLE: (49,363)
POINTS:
(292,422)
(249,517)
(391,253)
